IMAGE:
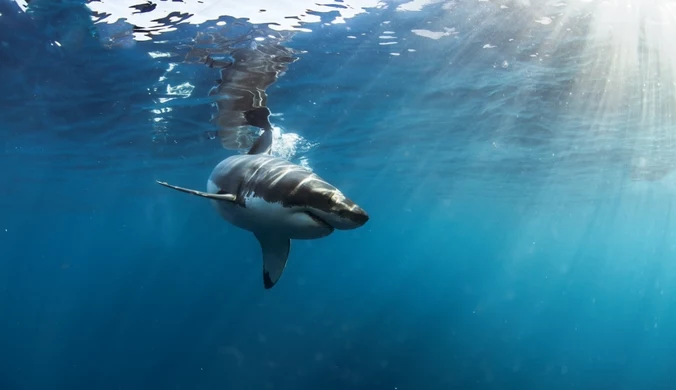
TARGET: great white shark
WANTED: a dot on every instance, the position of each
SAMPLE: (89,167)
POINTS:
(277,201)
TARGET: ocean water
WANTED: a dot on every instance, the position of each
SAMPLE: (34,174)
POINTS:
(515,157)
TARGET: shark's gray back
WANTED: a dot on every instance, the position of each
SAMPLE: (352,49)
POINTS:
(273,179)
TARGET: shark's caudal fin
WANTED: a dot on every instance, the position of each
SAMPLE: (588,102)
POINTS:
(263,144)
(275,253)
(226,197)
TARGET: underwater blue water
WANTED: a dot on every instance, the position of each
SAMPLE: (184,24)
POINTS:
(513,243)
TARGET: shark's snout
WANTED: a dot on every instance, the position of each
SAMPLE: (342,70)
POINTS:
(343,216)
(358,216)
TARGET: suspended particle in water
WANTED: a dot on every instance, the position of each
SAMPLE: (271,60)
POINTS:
(505,64)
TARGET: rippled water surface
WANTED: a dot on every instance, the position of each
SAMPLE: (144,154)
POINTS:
(488,91)
(516,158)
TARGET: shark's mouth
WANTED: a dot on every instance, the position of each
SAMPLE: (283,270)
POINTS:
(319,221)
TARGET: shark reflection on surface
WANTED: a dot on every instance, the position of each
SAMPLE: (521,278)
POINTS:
(247,68)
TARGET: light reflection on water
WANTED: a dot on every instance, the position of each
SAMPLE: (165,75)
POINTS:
(578,88)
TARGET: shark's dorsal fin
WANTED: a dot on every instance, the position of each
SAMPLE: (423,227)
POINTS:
(258,117)
(263,144)
(225,197)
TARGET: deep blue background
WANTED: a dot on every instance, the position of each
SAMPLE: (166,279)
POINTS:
(474,272)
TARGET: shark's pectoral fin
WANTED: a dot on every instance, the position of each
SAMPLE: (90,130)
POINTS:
(275,253)
(226,197)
